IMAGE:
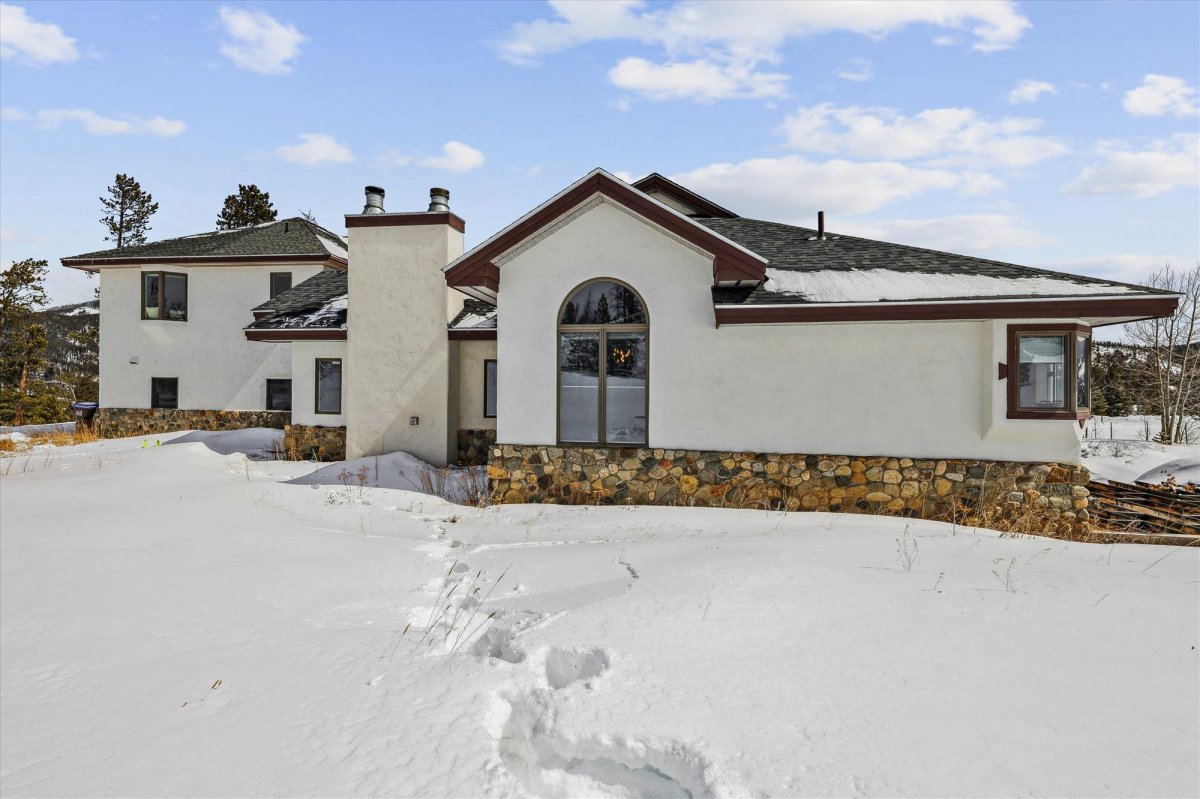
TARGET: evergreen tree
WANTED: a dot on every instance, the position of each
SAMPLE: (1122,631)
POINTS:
(250,206)
(602,316)
(25,396)
(127,212)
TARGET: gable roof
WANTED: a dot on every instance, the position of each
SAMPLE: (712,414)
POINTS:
(314,308)
(655,182)
(292,239)
(476,273)
(475,322)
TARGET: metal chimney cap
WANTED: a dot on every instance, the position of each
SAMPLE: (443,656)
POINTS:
(374,200)
(439,199)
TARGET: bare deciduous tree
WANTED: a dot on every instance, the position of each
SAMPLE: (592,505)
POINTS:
(1170,360)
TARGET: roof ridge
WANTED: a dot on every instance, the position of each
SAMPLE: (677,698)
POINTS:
(1037,269)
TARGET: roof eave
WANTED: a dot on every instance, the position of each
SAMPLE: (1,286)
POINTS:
(92,264)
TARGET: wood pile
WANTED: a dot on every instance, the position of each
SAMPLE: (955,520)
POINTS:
(1166,509)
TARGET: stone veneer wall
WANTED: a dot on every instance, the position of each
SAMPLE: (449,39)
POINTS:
(120,422)
(303,442)
(917,487)
(474,445)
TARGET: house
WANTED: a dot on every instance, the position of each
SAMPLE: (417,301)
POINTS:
(636,343)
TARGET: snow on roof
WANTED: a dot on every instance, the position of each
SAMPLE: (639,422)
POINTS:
(890,285)
(334,247)
(330,310)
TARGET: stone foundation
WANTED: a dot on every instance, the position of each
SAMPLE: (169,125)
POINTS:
(473,446)
(916,487)
(302,442)
(121,422)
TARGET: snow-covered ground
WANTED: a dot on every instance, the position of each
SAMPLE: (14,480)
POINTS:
(1122,448)
(182,620)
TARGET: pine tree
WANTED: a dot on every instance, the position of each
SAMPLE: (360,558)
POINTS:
(127,212)
(250,206)
(25,397)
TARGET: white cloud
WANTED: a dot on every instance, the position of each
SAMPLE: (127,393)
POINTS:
(703,81)
(728,41)
(942,136)
(455,157)
(24,39)
(965,233)
(1162,95)
(858,70)
(1163,165)
(1028,91)
(53,118)
(1123,267)
(259,42)
(793,189)
(315,148)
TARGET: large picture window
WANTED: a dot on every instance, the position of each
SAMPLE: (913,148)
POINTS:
(603,349)
(329,385)
(164,296)
(1049,371)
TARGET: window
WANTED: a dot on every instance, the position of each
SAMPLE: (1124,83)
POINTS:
(1049,371)
(329,385)
(280,282)
(602,366)
(279,395)
(489,388)
(164,392)
(164,296)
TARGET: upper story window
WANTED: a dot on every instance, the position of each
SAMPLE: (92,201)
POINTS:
(280,282)
(1049,371)
(164,296)
(603,348)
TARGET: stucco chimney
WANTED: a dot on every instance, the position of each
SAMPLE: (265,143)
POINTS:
(374,200)
(439,200)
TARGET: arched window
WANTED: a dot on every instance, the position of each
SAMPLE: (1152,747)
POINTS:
(603,344)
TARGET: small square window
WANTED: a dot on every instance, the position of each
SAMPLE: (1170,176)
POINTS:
(164,392)
(279,395)
(489,389)
(280,282)
(164,296)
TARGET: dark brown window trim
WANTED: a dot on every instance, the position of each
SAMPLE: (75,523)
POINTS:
(162,295)
(486,361)
(317,387)
(1068,329)
(602,349)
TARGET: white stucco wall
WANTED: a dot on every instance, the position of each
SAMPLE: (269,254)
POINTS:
(304,376)
(901,389)
(471,355)
(399,308)
(218,369)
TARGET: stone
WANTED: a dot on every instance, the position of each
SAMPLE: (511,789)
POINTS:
(942,486)
(892,476)
(874,474)
(688,484)
(878,496)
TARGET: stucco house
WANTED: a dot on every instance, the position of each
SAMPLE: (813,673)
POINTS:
(621,343)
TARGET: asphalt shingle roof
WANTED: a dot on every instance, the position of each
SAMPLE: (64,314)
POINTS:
(293,236)
(310,305)
(798,250)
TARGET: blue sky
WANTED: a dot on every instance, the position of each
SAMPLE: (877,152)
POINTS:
(1062,135)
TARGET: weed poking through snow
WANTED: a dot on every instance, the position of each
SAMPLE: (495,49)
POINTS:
(906,550)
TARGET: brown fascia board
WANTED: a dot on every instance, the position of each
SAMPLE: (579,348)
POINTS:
(91,264)
(471,334)
(730,262)
(400,219)
(655,181)
(1149,307)
(285,334)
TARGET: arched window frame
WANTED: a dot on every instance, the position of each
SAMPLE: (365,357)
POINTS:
(603,331)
